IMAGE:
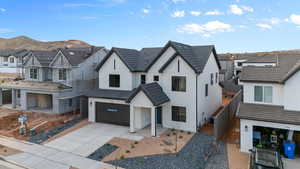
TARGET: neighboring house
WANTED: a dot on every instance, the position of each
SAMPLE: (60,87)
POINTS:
(238,63)
(227,68)
(175,86)
(271,99)
(11,60)
(54,80)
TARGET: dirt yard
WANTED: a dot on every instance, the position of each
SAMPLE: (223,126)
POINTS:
(149,146)
(5,151)
(9,125)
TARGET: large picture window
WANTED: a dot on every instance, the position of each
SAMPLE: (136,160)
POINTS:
(178,113)
(33,73)
(263,94)
(62,74)
(114,80)
(179,83)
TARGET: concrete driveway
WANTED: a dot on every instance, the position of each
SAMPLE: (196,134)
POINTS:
(86,140)
(291,164)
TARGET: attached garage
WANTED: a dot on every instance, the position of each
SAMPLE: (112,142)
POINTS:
(113,113)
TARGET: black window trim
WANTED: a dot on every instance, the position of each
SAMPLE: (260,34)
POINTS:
(173,84)
(114,82)
(177,117)
(155,78)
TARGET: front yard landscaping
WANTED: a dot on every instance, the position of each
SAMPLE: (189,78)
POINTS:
(199,153)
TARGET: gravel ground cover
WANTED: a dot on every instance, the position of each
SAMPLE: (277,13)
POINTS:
(103,151)
(199,153)
(41,137)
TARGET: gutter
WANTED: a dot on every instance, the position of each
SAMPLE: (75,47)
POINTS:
(197,101)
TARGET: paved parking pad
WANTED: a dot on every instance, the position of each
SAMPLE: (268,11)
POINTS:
(88,139)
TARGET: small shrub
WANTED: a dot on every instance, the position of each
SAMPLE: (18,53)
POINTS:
(180,137)
(172,129)
(127,151)
(168,134)
(136,142)
(181,131)
(132,146)
(174,133)
(189,133)
(122,157)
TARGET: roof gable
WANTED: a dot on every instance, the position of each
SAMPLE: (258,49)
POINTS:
(195,56)
(153,91)
(60,60)
(32,60)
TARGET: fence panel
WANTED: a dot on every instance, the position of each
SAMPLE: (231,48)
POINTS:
(223,120)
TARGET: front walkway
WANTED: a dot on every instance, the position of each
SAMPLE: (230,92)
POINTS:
(38,156)
(88,139)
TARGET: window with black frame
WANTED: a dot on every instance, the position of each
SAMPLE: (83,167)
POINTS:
(62,74)
(33,73)
(179,83)
(114,80)
(178,113)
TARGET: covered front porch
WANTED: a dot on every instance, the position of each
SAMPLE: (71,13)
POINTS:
(147,105)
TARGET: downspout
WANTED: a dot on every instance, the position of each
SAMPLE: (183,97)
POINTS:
(196,102)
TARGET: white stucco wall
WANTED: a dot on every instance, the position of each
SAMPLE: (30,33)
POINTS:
(278,93)
(292,93)
(247,135)
(208,105)
(126,77)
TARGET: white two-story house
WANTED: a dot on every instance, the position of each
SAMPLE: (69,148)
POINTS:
(11,61)
(270,112)
(175,86)
(55,80)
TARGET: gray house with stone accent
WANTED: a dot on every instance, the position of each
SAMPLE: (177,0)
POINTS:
(55,80)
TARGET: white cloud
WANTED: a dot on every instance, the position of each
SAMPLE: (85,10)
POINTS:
(2,10)
(294,18)
(239,10)
(146,11)
(5,30)
(264,26)
(273,20)
(195,13)
(214,12)
(206,30)
(176,1)
(178,14)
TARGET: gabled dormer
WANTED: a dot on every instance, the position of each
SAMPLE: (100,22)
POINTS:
(60,61)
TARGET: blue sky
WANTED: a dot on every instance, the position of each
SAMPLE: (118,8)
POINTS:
(231,25)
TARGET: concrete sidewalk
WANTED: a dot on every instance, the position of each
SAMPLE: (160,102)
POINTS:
(36,156)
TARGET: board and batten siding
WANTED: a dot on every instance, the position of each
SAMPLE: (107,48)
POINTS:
(278,93)
(208,105)
(126,77)
(292,93)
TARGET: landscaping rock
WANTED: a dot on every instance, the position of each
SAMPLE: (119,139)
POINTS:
(103,151)
(192,156)
(168,143)
(40,138)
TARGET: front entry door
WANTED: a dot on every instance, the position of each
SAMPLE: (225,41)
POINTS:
(159,115)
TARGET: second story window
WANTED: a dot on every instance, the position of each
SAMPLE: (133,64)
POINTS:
(33,73)
(62,74)
(179,83)
(216,77)
(155,78)
(114,80)
(12,60)
(211,78)
(206,90)
(263,94)
(143,79)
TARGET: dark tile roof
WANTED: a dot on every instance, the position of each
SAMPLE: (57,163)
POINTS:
(224,57)
(195,56)
(268,113)
(109,94)
(141,61)
(13,52)
(44,57)
(287,65)
(153,91)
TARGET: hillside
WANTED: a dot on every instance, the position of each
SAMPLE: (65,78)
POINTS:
(296,51)
(23,42)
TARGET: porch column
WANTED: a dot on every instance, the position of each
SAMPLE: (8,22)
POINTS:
(1,95)
(14,98)
(153,122)
(132,130)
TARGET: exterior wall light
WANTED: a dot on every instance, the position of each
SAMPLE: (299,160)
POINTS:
(246,128)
